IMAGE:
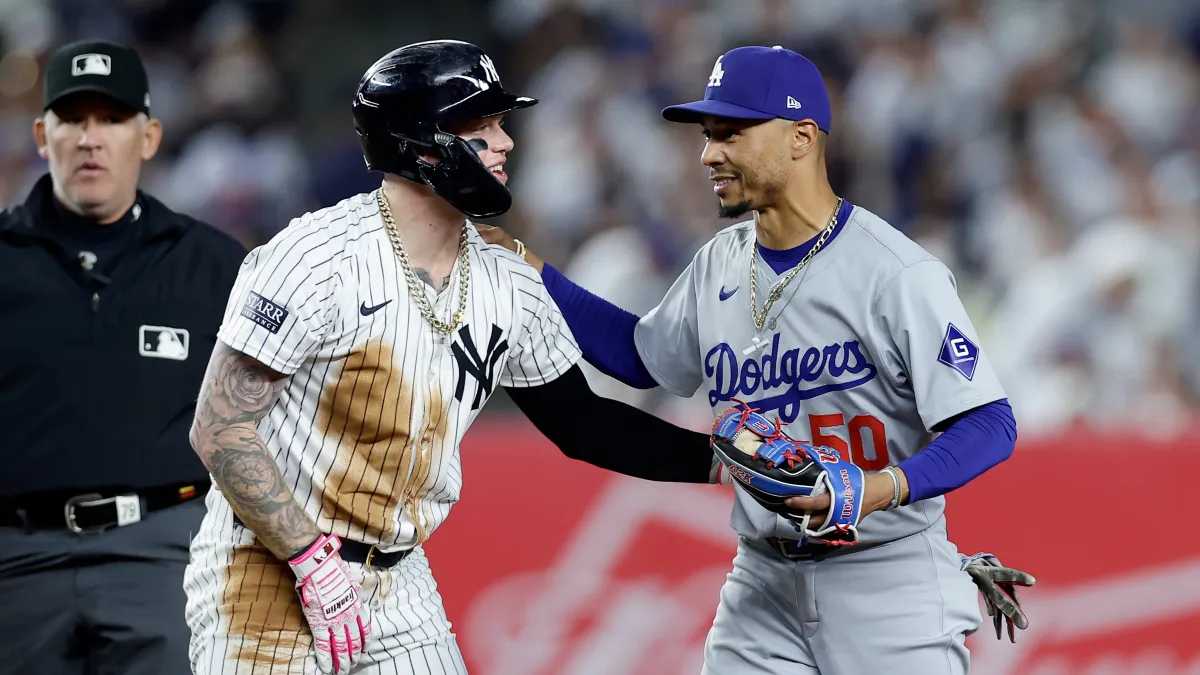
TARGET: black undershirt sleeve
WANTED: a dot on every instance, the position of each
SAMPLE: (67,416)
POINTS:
(612,435)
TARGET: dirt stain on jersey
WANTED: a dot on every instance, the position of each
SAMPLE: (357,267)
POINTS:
(433,432)
(265,620)
(382,463)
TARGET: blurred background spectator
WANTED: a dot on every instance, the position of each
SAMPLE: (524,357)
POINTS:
(1049,152)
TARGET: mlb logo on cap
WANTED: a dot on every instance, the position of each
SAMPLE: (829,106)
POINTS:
(91,64)
(760,83)
(99,67)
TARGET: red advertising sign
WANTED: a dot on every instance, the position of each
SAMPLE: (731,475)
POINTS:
(550,566)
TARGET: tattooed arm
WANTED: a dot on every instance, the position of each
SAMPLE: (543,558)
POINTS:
(237,393)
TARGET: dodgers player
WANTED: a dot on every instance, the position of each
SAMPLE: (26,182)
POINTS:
(819,313)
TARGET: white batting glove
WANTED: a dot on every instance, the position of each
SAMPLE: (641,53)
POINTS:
(333,605)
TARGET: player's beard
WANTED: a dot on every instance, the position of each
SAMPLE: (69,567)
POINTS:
(735,210)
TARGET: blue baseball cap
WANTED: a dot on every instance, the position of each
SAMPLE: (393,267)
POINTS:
(760,83)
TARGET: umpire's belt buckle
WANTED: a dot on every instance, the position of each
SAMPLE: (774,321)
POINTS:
(123,510)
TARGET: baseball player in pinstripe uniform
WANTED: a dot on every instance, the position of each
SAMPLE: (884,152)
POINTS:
(357,348)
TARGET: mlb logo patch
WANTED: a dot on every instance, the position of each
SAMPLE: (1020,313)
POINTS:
(91,64)
(959,352)
(264,312)
(163,342)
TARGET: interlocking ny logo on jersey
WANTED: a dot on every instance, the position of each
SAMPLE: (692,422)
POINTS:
(481,367)
(959,352)
(264,312)
(833,367)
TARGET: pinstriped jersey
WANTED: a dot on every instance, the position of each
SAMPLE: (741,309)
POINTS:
(368,425)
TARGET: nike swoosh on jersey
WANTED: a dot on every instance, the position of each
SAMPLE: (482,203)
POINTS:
(368,311)
(725,295)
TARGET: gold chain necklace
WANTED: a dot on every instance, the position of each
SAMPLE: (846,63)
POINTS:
(416,288)
(760,319)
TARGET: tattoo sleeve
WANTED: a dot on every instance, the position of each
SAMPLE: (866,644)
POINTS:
(237,393)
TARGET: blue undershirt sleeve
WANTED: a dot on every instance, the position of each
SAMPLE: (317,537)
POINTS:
(603,330)
(972,443)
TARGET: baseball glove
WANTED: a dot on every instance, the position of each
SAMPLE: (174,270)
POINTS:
(771,467)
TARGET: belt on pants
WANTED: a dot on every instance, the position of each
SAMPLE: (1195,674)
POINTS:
(92,512)
(798,549)
(367,555)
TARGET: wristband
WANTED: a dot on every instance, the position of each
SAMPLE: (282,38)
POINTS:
(891,472)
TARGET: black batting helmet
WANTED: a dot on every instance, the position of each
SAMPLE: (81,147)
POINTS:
(406,100)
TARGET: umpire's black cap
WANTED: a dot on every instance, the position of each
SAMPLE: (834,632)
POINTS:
(98,66)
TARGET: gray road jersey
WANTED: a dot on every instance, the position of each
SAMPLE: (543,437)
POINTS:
(866,351)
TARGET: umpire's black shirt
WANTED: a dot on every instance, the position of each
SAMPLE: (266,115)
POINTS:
(105,332)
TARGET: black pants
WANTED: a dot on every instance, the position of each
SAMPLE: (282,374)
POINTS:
(96,604)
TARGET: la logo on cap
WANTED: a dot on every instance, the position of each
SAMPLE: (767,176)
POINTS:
(91,64)
(714,80)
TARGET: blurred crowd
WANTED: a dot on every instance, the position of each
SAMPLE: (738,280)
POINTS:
(1048,152)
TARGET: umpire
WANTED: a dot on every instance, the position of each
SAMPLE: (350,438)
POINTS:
(110,304)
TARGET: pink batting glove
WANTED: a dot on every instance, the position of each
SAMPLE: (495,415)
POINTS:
(332,603)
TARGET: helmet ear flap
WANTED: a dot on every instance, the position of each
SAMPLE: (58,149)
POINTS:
(462,179)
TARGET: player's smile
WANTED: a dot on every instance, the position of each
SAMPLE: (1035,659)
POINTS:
(490,141)
(721,183)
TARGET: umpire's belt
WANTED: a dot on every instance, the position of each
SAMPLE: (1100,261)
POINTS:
(93,511)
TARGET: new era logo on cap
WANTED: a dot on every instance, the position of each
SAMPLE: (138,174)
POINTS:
(793,103)
(91,64)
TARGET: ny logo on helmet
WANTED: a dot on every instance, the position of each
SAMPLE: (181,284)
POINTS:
(714,80)
(489,68)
